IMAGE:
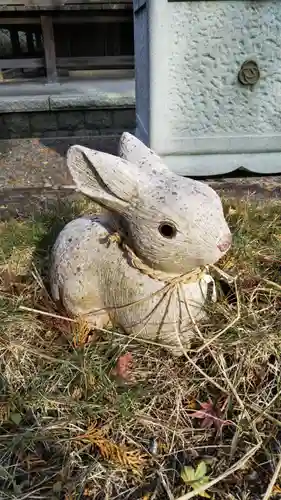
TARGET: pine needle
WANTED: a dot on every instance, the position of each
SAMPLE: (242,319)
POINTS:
(113,452)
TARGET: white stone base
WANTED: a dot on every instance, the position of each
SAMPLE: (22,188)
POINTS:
(191,108)
(218,164)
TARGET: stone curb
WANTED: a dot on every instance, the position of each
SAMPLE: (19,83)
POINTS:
(67,96)
(252,188)
(71,102)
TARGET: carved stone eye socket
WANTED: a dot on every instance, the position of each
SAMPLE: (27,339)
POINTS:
(167,230)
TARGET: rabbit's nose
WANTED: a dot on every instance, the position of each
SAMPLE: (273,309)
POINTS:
(225,243)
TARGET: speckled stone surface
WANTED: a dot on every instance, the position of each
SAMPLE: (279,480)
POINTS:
(67,94)
(201,119)
(204,64)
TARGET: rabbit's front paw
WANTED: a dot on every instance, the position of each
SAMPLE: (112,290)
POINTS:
(97,321)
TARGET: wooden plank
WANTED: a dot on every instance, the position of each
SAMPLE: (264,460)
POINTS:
(91,19)
(20,7)
(24,63)
(29,42)
(38,40)
(15,41)
(56,3)
(103,62)
(49,47)
(68,2)
(7,21)
(112,40)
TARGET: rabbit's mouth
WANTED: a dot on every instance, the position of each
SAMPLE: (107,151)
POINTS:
(224,243)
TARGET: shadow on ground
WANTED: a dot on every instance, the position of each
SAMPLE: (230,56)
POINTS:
(38,223)
(26,203)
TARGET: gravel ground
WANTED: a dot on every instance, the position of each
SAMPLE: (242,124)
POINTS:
(30,163)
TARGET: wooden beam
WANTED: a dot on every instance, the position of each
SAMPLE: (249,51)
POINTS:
(102,62)
(91,19)
(38,40)
(29,42)
(7,21)
(69,2)
(20,7)
(24,63)
(14,34)
(54,4)
(49,48)
(112,40)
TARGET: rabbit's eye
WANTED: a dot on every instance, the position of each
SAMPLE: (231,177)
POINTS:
(167,230)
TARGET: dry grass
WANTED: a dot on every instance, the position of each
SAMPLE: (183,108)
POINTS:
(71,430)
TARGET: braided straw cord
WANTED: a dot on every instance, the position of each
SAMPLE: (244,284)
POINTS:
(189,277)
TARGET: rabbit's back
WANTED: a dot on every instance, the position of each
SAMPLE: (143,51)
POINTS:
(75,276)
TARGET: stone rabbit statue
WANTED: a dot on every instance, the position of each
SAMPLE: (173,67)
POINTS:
(139,265)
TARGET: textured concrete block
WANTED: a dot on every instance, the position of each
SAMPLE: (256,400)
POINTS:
(124,119)
(23,103)
(66,124)
(191,105)
(70,120)
(52,133)
(17,124)
(86,132)
(91,101)
(4,133)
(98,119)
(40,122)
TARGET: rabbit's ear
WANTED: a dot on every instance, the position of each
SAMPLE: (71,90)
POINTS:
(107,179)
(133,150)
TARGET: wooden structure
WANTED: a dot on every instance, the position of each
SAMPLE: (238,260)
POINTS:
(31,5)
(62,35)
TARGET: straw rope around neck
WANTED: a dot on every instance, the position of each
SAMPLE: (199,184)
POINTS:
(189,277)
(170,283)
(186,278)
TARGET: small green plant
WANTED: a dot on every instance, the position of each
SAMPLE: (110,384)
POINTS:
(196,477)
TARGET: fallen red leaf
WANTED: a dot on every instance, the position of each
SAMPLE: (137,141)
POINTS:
(210,416)
(124,366)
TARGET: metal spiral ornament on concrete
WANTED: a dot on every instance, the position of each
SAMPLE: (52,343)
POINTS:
(249,73)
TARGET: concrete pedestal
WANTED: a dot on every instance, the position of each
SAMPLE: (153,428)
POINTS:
(195,105)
